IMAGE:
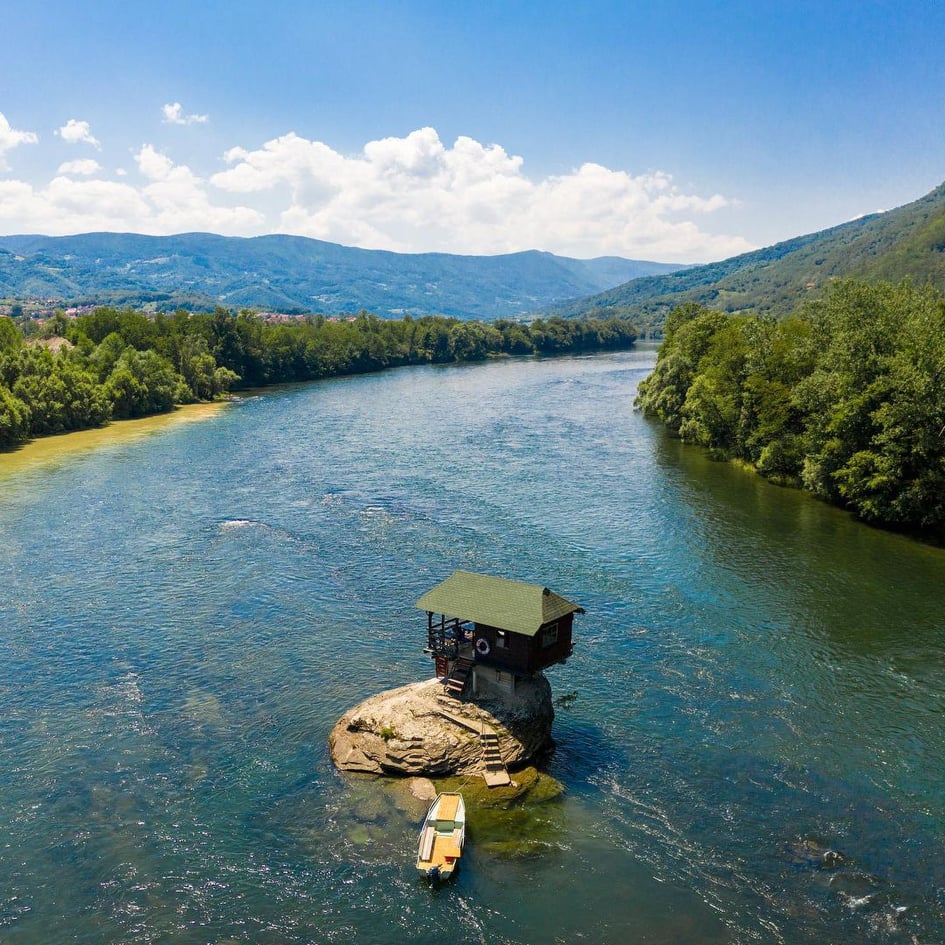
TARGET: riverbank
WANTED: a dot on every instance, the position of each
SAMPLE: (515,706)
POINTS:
(842,399)
(119,364)
(49,449)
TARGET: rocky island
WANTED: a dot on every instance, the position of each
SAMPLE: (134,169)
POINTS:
(418,730)
(489,706)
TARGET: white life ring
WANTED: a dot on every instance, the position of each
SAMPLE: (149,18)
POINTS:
(482,646)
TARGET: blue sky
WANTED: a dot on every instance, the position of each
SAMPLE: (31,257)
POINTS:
(673,131)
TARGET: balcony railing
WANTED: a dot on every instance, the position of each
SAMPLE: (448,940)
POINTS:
(446,635)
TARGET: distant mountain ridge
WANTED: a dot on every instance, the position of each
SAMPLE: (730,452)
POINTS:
(908,242)
(294,273)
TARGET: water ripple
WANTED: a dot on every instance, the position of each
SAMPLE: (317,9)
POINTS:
(757,679)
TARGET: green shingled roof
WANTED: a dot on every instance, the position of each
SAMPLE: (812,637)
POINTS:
(496,602)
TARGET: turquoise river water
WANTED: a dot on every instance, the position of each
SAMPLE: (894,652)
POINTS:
(758,679)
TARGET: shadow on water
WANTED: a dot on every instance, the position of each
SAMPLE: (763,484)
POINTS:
(858,580)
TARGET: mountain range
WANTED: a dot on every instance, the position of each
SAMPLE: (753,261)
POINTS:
(293,273)
(908,242)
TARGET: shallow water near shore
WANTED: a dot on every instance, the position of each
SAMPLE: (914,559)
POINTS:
(757,683)
(49,450)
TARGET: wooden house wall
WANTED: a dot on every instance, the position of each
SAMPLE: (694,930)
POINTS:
(559,650)
(516,656)
(524,654)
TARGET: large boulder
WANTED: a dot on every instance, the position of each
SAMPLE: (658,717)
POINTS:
(418,730)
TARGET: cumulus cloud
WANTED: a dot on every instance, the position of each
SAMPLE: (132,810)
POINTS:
(180,202)
(410,194)
(11,138)
(78,132)
(69,206)
(153,165)
(85,166)
(174,115)
(172,200)
(415,194)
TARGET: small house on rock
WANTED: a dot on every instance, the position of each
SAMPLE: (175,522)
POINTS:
(495,631)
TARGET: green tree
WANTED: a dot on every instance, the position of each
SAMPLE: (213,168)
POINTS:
(10,338)
(690,330)
(106,354)
(14,419)
(61,394)
(711,413)
(142,383)
(846,397)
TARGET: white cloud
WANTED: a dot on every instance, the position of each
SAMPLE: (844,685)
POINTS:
(69,206)
(153,165)
(869,213)
(11,138)
(409,194)
(77,132)
(180,202)
(174,115)
(414,194)
(173,200)
(85,166)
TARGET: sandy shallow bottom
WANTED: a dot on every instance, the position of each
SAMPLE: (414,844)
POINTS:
(49,449)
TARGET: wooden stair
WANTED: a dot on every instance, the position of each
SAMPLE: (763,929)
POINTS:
(495,773)
(456,682)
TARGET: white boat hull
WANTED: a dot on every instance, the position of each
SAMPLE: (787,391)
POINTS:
(442,837)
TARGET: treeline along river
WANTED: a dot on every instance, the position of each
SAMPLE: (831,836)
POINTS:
(750,732)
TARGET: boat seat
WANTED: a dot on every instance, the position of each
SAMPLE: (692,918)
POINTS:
(445,851)
(449,804)
(426,846)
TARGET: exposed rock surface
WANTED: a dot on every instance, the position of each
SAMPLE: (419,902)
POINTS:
(423,789)
(418,730)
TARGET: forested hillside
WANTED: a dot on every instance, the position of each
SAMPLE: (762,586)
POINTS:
(846,398)
(908,242)
(120,364)
(283,273)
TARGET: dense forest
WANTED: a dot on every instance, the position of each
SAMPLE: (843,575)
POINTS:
(121,363)
(845,398)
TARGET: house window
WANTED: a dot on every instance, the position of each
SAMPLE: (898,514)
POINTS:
(549,635)
(502,639)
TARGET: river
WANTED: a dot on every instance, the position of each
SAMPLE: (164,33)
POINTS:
(750,734)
